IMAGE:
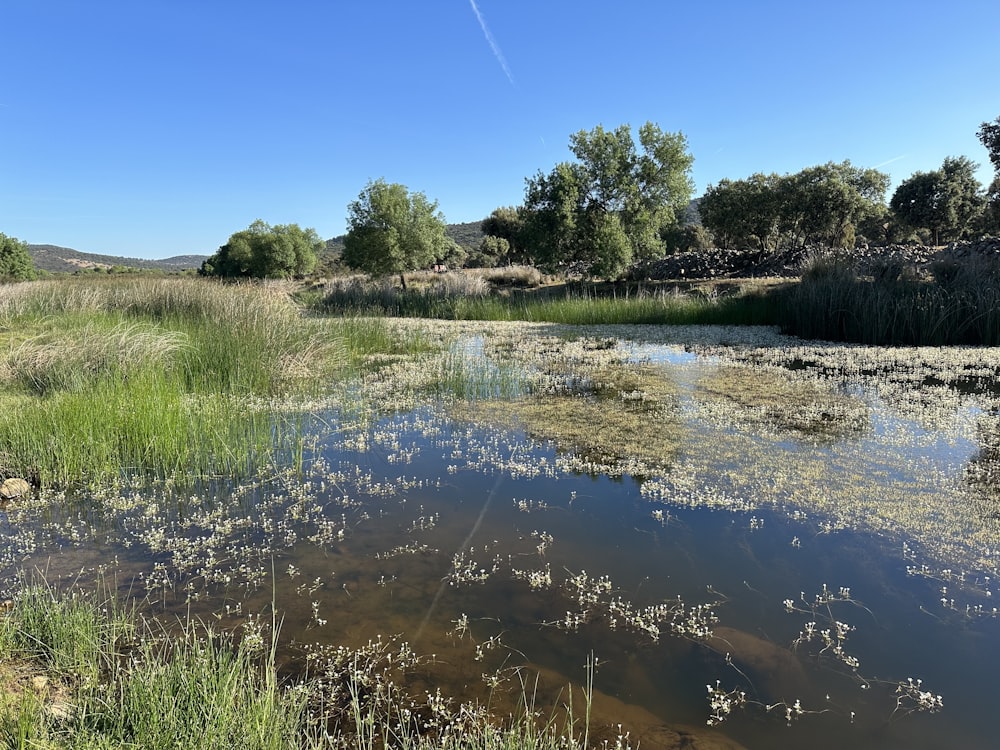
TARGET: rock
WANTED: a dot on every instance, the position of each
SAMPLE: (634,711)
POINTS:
(774,668)
(13,488)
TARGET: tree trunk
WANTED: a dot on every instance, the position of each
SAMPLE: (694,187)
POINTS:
(402,279)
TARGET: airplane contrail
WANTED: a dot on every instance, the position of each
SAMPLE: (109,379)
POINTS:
(492,42)
(890,161)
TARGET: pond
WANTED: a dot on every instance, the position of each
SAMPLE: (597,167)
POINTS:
(750,540)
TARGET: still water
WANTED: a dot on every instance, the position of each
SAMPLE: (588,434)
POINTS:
(809,570)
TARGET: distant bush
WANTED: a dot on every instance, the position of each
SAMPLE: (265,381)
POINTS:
(514,276)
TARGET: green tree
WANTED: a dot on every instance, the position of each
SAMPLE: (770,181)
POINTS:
(264,252)
(989,135)
(392,231)
(506,223)
(824,204)
(991,212)
(15,260)
(746,212)
(948,202)
(491,252)
(553,204)
(819,205)
(613,204)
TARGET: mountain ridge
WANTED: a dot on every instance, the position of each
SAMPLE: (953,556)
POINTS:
(58,259)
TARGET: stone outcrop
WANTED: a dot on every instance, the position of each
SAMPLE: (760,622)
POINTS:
(13,488)
(719,263)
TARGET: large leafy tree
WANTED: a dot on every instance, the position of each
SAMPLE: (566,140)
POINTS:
(824,204)
(612,205)
(391,231)
(15,261)
(819,205)
(989,135)
(741,213)
(947,202)
(265,252)
(991,213)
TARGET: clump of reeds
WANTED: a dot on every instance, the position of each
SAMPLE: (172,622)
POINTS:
(71,357)
(951,302)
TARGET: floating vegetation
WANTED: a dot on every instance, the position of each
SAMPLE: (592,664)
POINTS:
(778,401)
(491,504)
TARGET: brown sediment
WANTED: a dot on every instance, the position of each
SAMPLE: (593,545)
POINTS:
(611,717)
(773,669)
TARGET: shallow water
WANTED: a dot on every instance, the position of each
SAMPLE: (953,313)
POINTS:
(469,541)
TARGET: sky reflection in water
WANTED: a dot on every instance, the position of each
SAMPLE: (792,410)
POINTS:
(415,525)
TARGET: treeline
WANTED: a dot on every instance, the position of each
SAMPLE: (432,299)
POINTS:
(841,206)
(614,206)
(624,201)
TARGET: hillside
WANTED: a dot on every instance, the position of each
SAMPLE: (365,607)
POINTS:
(56,259)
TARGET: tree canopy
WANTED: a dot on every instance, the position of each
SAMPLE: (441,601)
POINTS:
(391,231)
(503,239)
(819,205)
(612,205)
(989,136)
(947,202)
(265,252)
(15,261)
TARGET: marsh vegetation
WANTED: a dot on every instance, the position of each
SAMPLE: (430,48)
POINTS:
(348,531)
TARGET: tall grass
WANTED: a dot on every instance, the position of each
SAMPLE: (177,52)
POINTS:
(199,690)
(567,305)
(196,689)
(109,376)
(65,633)
(112,683)
(950,303)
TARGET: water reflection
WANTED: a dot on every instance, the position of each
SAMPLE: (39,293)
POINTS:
(498,548)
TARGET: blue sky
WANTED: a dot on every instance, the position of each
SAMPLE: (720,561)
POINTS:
(152,128)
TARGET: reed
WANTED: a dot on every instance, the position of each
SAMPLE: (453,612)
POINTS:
(567,306)
(951,303)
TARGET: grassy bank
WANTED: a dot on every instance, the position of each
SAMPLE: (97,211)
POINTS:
(948,303)
(100,378)
(82,673)
(451,298)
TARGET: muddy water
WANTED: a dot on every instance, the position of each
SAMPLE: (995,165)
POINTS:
(470,543)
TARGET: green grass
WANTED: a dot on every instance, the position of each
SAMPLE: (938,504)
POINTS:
(566,306)
(129,686)
(951,303)
(112,683)
(66,634)
(169,376)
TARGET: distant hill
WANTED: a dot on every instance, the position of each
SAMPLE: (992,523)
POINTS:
(468,235)
(56,259)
